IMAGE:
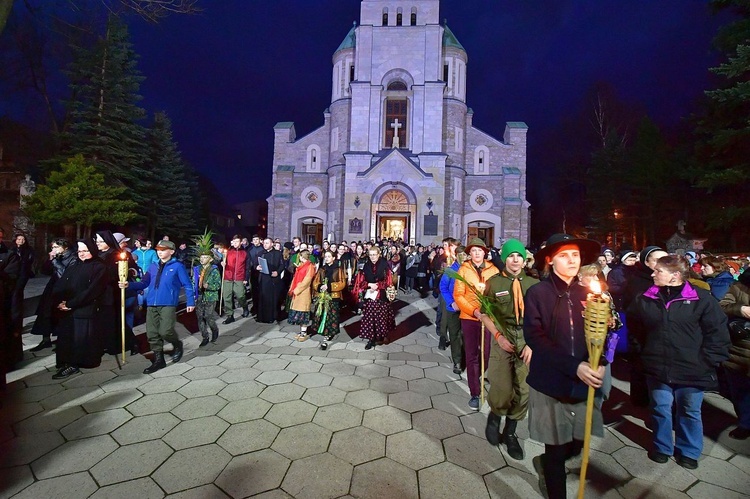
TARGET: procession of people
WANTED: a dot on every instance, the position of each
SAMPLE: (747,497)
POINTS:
(519,342)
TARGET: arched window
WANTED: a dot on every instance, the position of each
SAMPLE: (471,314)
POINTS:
(313,158)
(397,85)
(385,16)
(399,17)
(481,160)
(413,16)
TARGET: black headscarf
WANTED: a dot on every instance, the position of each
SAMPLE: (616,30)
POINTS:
(377,271)
(109,239)
(91,245)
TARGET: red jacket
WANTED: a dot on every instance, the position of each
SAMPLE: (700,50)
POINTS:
(237,268)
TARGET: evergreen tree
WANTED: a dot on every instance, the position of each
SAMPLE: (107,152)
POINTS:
(76,194)
(175,208)
(105,115)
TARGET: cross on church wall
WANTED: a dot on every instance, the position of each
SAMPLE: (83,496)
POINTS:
(396,126)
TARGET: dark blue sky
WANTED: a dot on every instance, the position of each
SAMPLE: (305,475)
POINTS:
(227,75)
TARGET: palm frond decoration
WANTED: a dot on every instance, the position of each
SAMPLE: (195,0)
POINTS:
(487,305)
(203,243)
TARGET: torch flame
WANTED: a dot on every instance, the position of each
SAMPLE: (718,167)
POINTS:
(595,286)
(123,256)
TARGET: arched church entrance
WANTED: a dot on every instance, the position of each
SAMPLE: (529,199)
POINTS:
(393,216)
(482,229)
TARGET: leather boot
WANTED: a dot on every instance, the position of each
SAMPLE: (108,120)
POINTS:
(492,430)
(214,335)
(510,440)
(204,342)
(245,311)
(156,364)
(177,352)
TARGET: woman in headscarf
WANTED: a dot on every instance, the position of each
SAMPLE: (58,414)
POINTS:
(78,293)
(378,318)
(110,254)
(330,279)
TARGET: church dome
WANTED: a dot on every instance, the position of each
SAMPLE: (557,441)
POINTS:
(449,39)
(350,41)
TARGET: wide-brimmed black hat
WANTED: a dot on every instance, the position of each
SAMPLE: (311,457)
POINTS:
(589,248)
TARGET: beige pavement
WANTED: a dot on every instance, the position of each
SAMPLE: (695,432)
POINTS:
(259,414)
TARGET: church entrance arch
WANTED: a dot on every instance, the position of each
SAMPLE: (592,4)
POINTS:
(393,216)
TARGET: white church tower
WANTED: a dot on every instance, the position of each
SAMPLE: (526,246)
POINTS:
(397,155)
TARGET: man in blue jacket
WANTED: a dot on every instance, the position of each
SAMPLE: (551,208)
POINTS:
(163,279)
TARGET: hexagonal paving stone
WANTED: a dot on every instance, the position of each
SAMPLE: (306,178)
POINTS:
(302,440)
(313,380)
(271,365)
(209,491)
(131,462)
(244,410)
(171,370)
(199,407)
(407,372)
(240,375)
(154,404)
(202,388)
(440,373)
(371,371)
(324,395)
(388,385)
(387,420)
(164,385)
(205,372)
(235,363)
(337,473)
(338,417)
(337,369)
(142,488)
(94,378)
(15,479)
(449,480)
(48,421)
(349,383)
(637,464)
(452,403)
(414,449)
(142,428)
(241,390)
(276,377)
(512,482)
(72,397)
(427,386)
(357,445)
(436,423)
(248,437)
(282,393)
(26,448)
(190,468)
(366,399)
(410,402)
(473,453)
(196,432)
(75,485)
(418,349)
(268,470)
(18,411)
(384,478)
(37,393)
(291,413)
(78,455)
(112,400)
(304,367)
(128,382)
(207,359)
(97,423)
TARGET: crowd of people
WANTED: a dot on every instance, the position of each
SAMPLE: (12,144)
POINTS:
(510,318)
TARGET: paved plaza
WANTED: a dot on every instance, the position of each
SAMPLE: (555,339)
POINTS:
(261,415)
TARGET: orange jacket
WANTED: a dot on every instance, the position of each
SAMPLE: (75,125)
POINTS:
(464,297)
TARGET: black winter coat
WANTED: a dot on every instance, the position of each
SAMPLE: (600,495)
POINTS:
(684,334)
(553,329)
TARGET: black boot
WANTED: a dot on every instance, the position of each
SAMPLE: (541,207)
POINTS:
(510,440)
(204,342)
(214,335)
(492,430)
(46,343)
(156,364)
(245,312)
(442,344)
(177,352)
(229,320)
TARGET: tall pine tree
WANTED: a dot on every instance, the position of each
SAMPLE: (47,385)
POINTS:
(176,208)
(105,117)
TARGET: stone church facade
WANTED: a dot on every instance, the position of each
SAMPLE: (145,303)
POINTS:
(397,155)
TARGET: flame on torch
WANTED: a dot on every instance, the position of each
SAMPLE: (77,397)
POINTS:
(595,286)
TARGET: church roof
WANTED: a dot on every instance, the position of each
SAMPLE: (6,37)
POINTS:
(350,40)
(449,39)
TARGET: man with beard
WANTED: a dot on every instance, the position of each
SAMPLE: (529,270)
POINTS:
(269,282)
(256,249)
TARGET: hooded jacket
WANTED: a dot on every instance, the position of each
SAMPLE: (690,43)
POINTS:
(683,337)
(167,292)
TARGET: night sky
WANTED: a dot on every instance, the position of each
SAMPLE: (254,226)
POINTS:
(228,74)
